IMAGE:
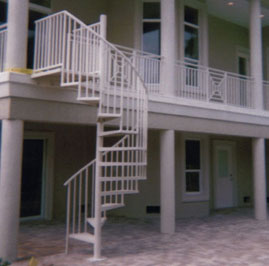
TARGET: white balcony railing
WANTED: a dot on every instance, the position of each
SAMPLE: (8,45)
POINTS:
(3,42)
(148,66)
(212,85)
(194,81)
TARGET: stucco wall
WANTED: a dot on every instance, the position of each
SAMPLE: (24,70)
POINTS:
(74,147)
(121,18)
(224,38)
(87,11)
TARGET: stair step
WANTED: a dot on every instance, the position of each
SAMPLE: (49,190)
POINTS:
(121,149)
(89,100)
(117,133)
(111,206)
(119,192)
(107,117)
(86,237)
(120,178)
(92,221)
(122,164)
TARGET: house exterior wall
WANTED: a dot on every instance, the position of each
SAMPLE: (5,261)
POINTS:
(74,148)
(87,11)
(224,40)
(150,189)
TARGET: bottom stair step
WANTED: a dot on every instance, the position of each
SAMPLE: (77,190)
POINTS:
(86,237)
(92,222)
(111,206)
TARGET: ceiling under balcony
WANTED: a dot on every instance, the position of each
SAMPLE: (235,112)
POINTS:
(237,12)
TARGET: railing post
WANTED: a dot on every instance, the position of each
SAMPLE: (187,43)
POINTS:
(225,85)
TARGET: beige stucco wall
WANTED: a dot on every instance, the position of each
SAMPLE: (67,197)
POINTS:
(121,19)
(224,38)
(87,11)
(74,147)
(150,189)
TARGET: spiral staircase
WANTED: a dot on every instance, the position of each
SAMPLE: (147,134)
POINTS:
(106,78)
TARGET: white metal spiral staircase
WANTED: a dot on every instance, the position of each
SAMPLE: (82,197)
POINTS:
(106,78)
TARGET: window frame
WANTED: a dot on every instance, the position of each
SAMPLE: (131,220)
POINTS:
(204,193)
(200,171)
(151,20)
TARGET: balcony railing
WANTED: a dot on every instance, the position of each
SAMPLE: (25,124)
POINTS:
(212,85)
(3,44)
(194,81)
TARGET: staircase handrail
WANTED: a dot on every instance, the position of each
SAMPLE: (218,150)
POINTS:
(86,27)
(93,161)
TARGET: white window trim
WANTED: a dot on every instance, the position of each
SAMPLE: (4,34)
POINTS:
(193,170)
(47,175)
(242,52)
(202,30)
(203,194)
(147,20)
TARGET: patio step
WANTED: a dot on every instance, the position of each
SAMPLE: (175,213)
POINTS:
(86,237)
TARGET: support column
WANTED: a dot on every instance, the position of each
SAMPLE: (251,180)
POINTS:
(259,176)
(167,167)
(256,52)
(17,35)
(10,186)
(168,46)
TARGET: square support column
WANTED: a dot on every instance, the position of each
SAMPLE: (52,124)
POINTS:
(259,178)
(10,186)
(167,167)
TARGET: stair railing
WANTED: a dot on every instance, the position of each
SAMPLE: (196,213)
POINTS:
(79,205)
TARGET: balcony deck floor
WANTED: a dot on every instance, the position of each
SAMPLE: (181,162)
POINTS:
(228,237)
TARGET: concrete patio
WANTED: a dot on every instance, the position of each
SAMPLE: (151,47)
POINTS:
(228,237)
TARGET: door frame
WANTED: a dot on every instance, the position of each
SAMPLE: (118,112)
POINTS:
(232,144)
(47,173)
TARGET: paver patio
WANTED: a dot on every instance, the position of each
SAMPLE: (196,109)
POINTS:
(229,237)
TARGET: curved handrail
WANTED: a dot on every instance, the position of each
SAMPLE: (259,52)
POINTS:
(70,179)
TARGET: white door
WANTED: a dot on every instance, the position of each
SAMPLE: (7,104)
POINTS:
(224,175)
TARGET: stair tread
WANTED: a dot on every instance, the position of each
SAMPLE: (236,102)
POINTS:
(117,192)
(91,221)
(86,237)
(122,149)
(120,178)
(117,132)
(107,117)
(110,206)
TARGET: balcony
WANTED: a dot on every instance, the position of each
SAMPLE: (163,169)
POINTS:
(194,83)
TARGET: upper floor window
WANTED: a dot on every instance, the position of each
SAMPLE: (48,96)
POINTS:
(191,35)
(151,27)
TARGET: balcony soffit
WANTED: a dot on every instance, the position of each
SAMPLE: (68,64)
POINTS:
(237,13)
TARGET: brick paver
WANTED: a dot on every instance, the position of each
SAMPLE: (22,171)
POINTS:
(230,237)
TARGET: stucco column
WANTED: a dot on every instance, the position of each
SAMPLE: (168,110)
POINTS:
(256,52)
(10,186)
(168,46)
(259,176)
(17,35)
(167,171)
